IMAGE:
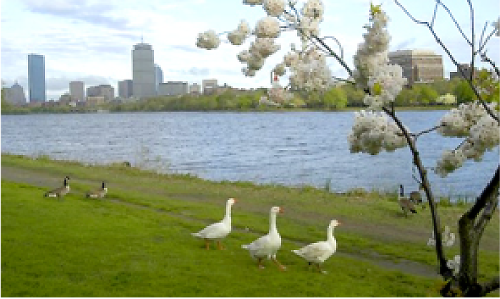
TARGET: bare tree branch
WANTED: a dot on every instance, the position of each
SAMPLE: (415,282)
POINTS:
(491,62)
(473,44)
(452,58)
(426,131)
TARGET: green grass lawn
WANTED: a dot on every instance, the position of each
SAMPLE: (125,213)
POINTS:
(137,241)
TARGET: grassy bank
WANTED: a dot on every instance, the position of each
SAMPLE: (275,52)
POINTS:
(137,241)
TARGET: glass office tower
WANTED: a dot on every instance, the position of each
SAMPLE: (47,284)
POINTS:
(36,78)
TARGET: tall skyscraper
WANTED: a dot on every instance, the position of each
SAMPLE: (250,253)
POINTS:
(76,91)
(36,78)
(158,77)
(143,71)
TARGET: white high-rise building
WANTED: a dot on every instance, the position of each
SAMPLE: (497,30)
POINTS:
(76,91)
(143,71)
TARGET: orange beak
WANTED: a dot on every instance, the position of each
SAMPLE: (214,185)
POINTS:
(281,210)
(235,200)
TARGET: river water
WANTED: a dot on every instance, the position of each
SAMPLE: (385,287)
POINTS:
(287,148)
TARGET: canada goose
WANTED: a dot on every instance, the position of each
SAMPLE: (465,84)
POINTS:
(405,203)
(99,193)
(61,191)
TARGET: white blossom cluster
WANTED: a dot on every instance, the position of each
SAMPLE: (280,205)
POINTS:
(372,53)
(208,40)
(264,46)
(239,35)
(267,27)
(454,264)
(313,9)
(458,121)
(274,8)
(280,69)
(312,16)
(309,71)
(481,132)
(278,94)
(255,57)
(372,132)
(385,84)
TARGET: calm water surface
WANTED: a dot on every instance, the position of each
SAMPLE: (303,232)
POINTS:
(292,148)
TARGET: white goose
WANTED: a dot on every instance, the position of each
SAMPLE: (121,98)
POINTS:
(317,253)
(219,230)
(268,245)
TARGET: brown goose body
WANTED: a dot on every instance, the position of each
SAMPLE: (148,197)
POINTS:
(99,193)
(61,191)
(406,204)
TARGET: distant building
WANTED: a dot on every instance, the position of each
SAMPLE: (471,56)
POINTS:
(125,89)
(466,68)
(77,91)
(95,101)
(209,86)
(15,95)
(419,66)
(158,77)
(195,89)
(65,99)
(173,88)
(36,78)
(106,91)
(143,71)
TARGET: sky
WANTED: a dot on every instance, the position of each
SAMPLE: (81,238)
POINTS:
(92,40)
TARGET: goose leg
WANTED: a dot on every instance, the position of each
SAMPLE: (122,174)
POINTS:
(207,244)
(259,263)
(219,245)
(280,266)
(319,268)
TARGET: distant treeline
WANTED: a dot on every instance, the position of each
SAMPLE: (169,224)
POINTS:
(336,98)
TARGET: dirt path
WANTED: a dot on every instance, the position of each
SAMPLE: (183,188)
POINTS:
(43,179)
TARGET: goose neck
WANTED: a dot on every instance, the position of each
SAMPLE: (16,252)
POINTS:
(227,216)
(272,223)
(329,234)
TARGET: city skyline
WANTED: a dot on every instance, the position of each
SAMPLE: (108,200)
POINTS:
(90,42)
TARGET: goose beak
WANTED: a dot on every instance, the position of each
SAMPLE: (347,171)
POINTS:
(281,211)
(235,200)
